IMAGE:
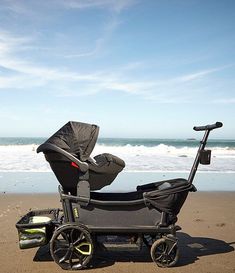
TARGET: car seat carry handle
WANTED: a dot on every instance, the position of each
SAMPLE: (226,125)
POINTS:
(51,147)
(208,127)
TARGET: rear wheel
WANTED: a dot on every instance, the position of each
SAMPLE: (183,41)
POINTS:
(71,246)
(164,252)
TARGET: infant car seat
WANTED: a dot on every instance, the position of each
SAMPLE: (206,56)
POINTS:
(68,153)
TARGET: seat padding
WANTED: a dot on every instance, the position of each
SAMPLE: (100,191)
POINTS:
(104,170)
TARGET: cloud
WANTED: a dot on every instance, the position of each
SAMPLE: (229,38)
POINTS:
(100,42)
(17,7)
(18,73)
(26,74)
(33,7)
(30,74)
(9,43)
(40,12)
(199,75)
(114,5)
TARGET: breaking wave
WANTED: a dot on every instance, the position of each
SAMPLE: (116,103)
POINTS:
(154,158)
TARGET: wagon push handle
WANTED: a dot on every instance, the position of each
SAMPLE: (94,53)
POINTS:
(207,129)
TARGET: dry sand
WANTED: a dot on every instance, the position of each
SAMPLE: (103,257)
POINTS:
(206,242)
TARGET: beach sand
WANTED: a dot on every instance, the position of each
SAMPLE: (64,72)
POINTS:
(206,242)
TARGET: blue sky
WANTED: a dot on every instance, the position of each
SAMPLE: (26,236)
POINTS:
(136,68)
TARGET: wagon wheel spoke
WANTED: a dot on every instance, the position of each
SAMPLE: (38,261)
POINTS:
(70,258)
(65,236)
(159,258)
(71,235)
(79,255)
(60,249)
(65,257)
(81,236)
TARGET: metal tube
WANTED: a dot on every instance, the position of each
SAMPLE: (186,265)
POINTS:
(196,161)
(69,210)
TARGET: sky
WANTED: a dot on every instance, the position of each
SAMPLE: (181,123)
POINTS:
(136,68)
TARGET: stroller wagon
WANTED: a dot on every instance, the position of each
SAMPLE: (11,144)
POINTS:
(90,218)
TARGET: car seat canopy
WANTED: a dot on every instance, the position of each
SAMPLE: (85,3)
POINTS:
(77,138)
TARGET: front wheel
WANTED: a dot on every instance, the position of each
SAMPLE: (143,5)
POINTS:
(71,247)
(164,252)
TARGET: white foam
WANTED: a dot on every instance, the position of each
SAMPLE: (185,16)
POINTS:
(22,158)
(138,158)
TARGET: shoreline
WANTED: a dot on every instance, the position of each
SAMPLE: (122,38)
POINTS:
(56,194)
(46,182)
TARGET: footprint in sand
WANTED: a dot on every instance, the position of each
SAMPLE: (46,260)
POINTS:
(198,220)
(220,224)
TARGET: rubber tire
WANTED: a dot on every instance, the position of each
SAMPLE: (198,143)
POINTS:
(57,233)
(162,243)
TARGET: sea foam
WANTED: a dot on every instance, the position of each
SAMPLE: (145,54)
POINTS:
(159,158)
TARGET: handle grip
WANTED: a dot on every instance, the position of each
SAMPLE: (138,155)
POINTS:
(208,127)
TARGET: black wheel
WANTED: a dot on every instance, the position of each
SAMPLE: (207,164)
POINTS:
(71,246)
(164,252)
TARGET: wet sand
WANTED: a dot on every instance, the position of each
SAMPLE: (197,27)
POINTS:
(206,241)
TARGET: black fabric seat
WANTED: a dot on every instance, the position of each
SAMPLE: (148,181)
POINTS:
(104,169)
(68,153)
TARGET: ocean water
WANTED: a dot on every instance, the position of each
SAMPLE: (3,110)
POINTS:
(153,155)
(146,160)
